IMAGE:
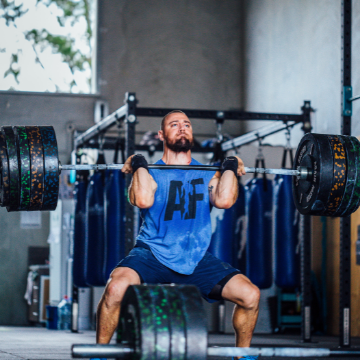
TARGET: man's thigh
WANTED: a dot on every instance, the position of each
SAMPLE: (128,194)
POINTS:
(210,276)
(144,263)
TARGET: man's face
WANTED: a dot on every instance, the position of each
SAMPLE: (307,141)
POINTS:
(177,133)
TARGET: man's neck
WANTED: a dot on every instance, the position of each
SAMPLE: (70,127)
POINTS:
(176,158)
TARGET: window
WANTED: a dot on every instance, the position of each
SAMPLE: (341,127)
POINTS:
(47,45)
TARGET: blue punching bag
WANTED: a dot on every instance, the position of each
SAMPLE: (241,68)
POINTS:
(259,232)
(114,207)
(225,231)
(286,229)
(222,234)
(95,274)
(239,221)
(80,248)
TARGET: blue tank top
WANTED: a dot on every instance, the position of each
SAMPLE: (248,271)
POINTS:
(177,228)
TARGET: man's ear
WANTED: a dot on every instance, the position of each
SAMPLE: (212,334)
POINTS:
(161,135)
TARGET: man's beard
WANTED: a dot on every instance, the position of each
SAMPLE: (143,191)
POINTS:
(179,145)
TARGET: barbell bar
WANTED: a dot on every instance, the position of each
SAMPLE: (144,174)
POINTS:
(326,174)
(168,322)
(301,172)
(123,351)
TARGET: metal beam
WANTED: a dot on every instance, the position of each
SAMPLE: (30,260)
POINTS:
(101,126)
(256,135)
(220,114)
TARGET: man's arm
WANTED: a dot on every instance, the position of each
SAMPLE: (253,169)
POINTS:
(143,187)
(223,188)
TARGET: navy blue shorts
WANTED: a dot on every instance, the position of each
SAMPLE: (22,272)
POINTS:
(210,275)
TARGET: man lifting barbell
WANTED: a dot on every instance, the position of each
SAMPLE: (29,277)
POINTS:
(172,244)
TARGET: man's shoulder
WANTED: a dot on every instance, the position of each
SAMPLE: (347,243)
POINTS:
(159,162)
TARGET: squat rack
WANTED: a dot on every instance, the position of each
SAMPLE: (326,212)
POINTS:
(128,115)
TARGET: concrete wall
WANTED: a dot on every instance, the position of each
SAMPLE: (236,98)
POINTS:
(178,54)
(293,53)
(14,243)
(18,108)
(355,68)
(58,110)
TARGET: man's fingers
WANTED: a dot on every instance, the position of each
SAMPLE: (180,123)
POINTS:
(241,171)
(127,169)
(241,168)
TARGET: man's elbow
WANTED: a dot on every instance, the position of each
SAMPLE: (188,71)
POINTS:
(143,203)
(224,203)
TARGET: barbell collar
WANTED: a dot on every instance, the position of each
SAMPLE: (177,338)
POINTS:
(101,351)
(303,173)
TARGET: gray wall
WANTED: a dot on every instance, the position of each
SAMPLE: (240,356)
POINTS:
(178,54)
(14,243)
(293,53)
(58,110)
(356,66)
(17,108)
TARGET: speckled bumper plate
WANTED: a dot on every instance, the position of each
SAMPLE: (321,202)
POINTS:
(351,175)
(164,322)
(13,168)
(340,173)
(51,168)
(37,167)
(24,166)
(4,167)
(311,195)
(355,197)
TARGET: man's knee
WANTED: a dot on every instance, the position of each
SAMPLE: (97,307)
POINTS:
(250,297)
(241,291)
(119,280)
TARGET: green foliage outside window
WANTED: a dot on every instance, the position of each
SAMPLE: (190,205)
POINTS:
(68,14)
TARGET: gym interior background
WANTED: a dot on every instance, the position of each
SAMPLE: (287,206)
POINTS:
(256,55)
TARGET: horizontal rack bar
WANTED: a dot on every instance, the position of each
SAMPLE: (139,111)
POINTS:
(255,135)
(101,126)
(220,114)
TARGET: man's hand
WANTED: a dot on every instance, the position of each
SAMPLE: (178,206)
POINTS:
(135,162)
(234,164)
(241,167)
(127,168)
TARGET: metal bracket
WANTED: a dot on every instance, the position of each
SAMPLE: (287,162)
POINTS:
(347,101)
(130,99)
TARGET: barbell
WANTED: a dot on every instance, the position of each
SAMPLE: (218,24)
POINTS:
(326,174)
(167,322)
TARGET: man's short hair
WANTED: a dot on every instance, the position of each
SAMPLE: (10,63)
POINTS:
(171,112)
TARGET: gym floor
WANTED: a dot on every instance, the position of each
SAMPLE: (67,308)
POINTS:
(33,343)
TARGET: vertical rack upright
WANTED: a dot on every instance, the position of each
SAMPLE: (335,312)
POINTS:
(345,223)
